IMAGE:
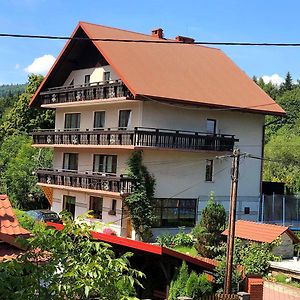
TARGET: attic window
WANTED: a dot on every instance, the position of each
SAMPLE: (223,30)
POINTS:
(87,79)
(72,82)
(106,76)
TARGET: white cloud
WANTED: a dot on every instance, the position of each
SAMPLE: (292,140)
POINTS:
(17,66)
(275,79)
(41,65)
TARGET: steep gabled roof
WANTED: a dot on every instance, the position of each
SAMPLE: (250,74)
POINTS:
(259,232)
(176,72)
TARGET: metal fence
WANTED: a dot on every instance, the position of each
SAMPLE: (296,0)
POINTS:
(274,209)
(281,209)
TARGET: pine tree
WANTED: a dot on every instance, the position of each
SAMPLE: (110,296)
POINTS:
(208,232)
(287,85)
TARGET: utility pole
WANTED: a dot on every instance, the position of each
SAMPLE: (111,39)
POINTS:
(231,221)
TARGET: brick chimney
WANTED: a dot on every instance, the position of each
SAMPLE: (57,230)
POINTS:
(184,39)
(158,33)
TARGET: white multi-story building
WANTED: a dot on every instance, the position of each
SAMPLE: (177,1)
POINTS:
(182,104)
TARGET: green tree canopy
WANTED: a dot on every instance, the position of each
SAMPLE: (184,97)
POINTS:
(73,266)
(208,232)
(23,119)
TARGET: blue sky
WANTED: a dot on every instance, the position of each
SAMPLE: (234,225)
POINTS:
(213,20)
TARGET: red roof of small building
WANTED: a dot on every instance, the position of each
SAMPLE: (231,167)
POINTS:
(259,232)
(179,72)
(205,263)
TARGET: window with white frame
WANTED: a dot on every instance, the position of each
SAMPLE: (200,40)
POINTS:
(106,76)
(124,119)
(105,163)
(99,119)
(72,121)
(70,161)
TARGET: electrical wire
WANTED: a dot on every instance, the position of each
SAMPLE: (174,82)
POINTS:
(161,41)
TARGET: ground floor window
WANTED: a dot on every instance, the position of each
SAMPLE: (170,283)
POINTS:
(96,205)
(175,212)
(69,204)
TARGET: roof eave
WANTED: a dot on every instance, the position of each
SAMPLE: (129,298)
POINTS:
(212,106)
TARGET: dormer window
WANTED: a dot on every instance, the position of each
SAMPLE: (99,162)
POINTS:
(106,76)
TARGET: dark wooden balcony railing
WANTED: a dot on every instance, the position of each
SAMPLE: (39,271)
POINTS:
(92,91)
(122,184)
(138,137)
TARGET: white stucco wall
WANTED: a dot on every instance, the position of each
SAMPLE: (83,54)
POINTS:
(86,156)
(82,206)
(111,114)
(95,73)
(179,174)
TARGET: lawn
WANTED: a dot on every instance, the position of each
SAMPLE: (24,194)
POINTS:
(186,250)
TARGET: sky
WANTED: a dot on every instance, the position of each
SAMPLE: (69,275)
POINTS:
(209,20)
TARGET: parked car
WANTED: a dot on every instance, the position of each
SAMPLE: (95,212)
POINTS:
(44,215)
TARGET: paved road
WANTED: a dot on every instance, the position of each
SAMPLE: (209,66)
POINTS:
(273,291)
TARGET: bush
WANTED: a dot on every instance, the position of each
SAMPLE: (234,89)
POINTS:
(208,232)
(183,239)
(25,220)
(165,240)
(189,285)
(178,284)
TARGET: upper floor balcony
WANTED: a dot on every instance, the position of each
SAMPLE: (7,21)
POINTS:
(137,138)
(105,184)
(85,92)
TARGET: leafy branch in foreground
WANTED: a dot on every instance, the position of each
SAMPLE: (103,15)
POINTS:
(68,264)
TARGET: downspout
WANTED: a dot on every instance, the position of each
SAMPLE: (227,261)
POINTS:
(262,161)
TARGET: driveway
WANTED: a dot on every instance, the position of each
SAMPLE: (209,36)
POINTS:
(274,291)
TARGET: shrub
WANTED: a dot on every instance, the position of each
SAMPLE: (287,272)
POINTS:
(178,284)
(25,220)
(165,240)
(189,285)
(183,239)
(208,232)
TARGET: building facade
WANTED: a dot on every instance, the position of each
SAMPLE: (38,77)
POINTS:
(184,112)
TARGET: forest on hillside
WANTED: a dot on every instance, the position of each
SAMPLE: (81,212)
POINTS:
(18,160)
(282,155)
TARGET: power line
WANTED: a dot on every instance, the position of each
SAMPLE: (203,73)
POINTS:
(163,41)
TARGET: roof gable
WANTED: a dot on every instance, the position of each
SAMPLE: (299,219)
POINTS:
(179,72)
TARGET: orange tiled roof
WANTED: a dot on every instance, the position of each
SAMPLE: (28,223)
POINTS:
(184,73)
(9,225)
(259,232)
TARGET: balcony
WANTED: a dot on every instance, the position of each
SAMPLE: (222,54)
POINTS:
(139,137)
(74,180)
(85,92)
